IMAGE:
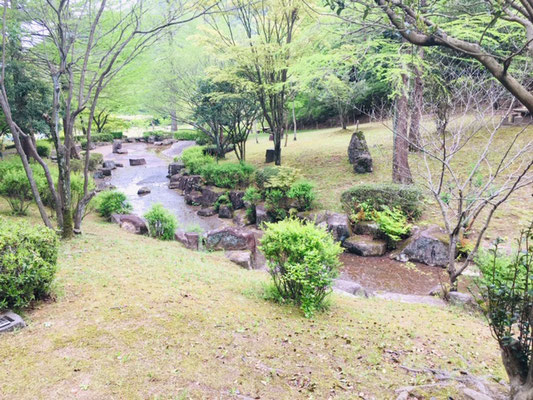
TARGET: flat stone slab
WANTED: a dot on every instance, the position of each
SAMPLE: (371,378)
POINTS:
(351,287)
(9,321)
(137,161)
(365,246)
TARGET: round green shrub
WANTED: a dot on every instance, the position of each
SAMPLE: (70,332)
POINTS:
(194,159)
(43,149)
(112,202)
(161,223)
(28,257)
(15,187)
(303,261)
(227,175)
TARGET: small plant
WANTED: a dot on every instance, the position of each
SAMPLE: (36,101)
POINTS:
(284,179)
(393,223)
(301,192)
(95,161)
(161,223)
(303,261)
(223,200)
(112,202)
(194,228)
(362,212)
(276,204)
(43,149)
(263,176)
(28,257)
(253,197)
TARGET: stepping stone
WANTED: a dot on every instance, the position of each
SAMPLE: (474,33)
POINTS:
(144,190)
(206,212)
(137,161)
(10,321)
(365,246)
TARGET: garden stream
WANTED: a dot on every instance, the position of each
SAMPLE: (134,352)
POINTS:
(409,282)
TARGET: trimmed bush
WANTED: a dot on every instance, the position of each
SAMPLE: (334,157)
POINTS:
(112,202)
(227,175)
(161,223)
(28,257)
(194,160)
(302,195)
(43,149)
(407,198)
(15,187)
(157,135)
(117,135)
(303,261)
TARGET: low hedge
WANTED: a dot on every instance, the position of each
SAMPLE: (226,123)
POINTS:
(407,198)
(28,258)
(228,175)
(43,149)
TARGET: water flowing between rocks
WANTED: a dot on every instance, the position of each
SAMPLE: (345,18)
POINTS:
(389,279)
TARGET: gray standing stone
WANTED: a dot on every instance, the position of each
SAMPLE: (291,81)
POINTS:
(9,321)
(339,226)
(175,168)
(270,156)
(358,153)
(261,216)
(117,145)
(236,198)
(109,165)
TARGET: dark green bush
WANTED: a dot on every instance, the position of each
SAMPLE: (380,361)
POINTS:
(194,160)
(28,257)
(302,195)
(112,202)
(253,197)
(101,137)
(276,204)
(161,223)
(227,175)
(117,135)
(43,149)
(303,260)
(407,198)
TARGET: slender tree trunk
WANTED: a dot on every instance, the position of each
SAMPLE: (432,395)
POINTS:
(293,120)
(401,173)
(173,121)
(416,111)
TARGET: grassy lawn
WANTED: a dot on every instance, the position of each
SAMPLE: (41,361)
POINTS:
(136,318)
(322,157)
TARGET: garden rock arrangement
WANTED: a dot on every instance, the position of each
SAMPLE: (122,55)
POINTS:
(131,223)
(358,153)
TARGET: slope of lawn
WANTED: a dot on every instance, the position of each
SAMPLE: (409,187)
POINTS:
(136,318)
(322,157)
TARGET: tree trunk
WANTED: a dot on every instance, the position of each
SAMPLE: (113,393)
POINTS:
(517,370)
(173,121)
(277,146)
(452,252)
(416,111)
(293,120)
(401,173)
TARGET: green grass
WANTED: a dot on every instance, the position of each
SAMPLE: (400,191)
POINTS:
(322,157)
(137,318)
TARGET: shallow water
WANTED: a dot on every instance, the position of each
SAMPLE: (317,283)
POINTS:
(153,175)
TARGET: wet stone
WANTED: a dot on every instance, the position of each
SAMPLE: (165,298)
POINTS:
(137,161)
(144,190)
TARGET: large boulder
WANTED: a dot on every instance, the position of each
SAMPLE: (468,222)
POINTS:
(243,258)
(186,183)
(236,198)
(370,228)
(428,246)
(339,226)
(117,145)
(465,300)
(144,190)
(210,195)
(137,161)
(317,217)
(193,198)
(230,238)
(365,246)
(358,153)
(175,168)
(131,223)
